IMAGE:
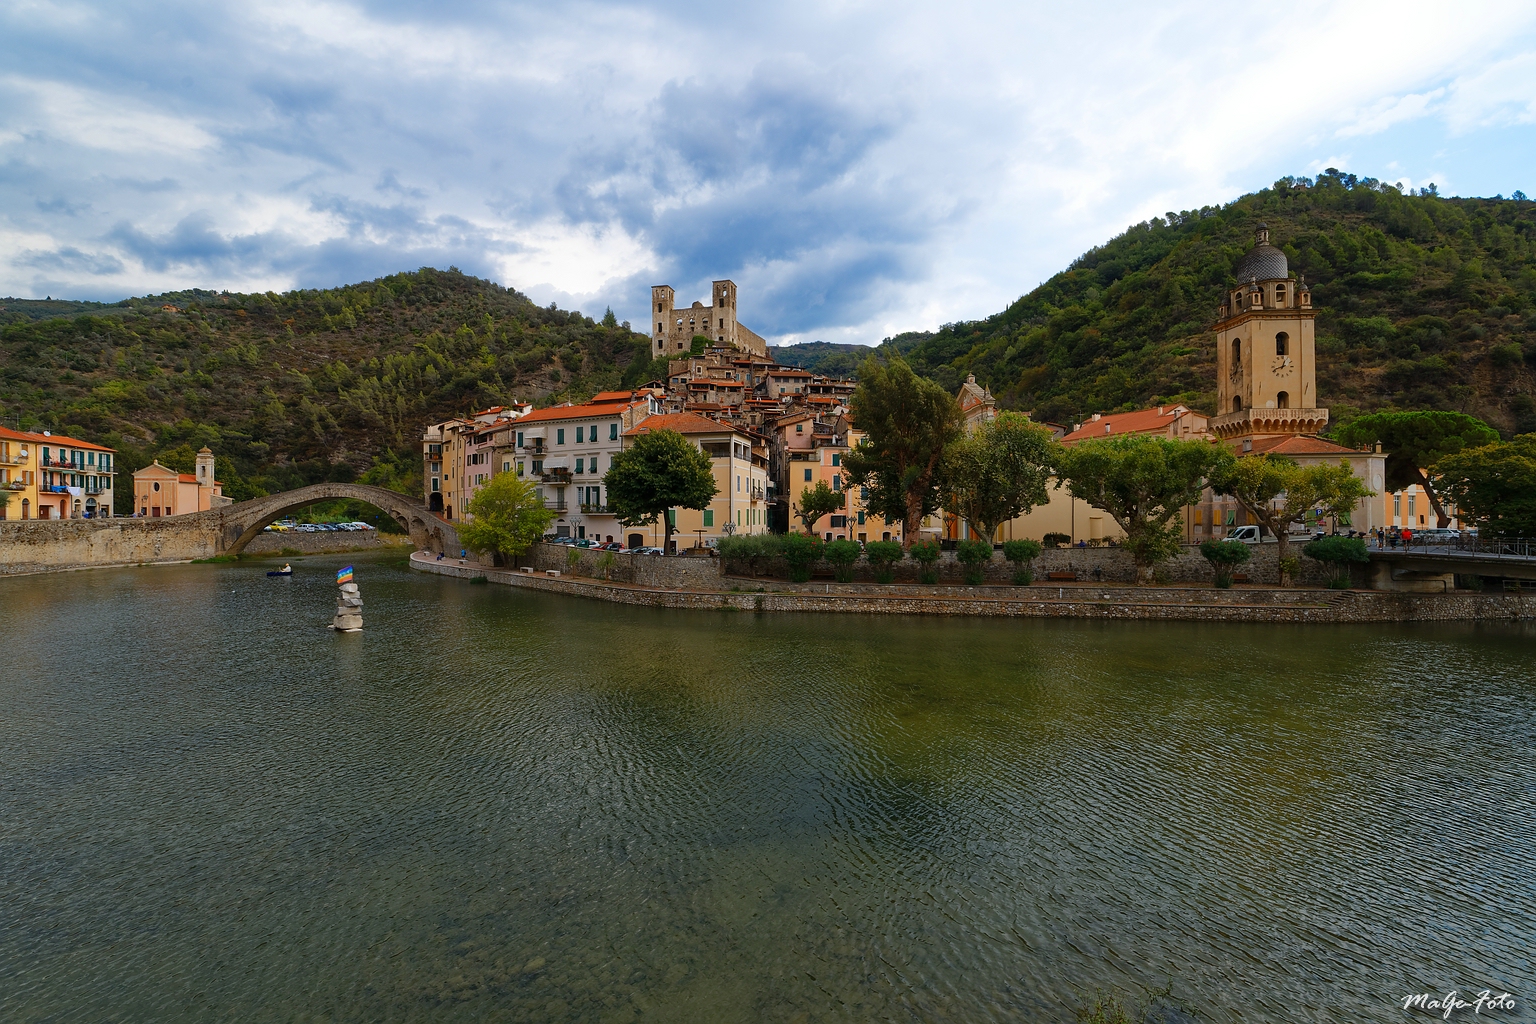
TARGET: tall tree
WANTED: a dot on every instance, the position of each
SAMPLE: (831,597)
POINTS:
(661,471)
(1277,492)
(1493,486)
(998,471)
(907,423)
(816,502)
(1414,441)
(1143,483)
(505,517)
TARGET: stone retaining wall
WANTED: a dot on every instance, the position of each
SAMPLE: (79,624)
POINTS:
(1114,565)
(1039,601)
(324,543)
(641,570)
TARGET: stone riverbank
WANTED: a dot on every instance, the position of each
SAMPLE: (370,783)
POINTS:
(1067,600)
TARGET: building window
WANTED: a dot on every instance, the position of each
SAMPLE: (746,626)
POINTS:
(1413,503)
(837,481)
(579,432)
(1283,400)
(1397,506)
(1279,294)
(1237,405)
(709,517)
(861,518)
(807,477)
(837,459)
(799,427)
(560,436)
(1282,343)
(538,465)
(519,469)
(581,464)
(506,467)
(613,431)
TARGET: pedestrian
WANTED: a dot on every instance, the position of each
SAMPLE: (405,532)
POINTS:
(1407,538)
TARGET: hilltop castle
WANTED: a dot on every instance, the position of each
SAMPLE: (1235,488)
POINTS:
(675,328)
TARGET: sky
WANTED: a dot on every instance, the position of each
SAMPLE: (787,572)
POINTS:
(858,169)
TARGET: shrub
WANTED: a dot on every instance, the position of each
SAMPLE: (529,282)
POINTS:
(572,560)
(1339,552)
(843,554)
(1021,553)
(801,552)
(883,556)
(1056,540)
(605,562)
(1290,568)
(1223,556)
(926,554)
(749,552)
(974,555)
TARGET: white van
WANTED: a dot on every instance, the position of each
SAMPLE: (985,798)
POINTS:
(1249,535)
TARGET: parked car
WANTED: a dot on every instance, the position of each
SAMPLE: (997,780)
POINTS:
(1435,535)
(649,551)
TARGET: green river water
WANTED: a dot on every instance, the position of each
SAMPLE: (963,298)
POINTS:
(494,805)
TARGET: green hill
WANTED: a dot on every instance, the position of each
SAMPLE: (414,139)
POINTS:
(300,387)
(1423,302)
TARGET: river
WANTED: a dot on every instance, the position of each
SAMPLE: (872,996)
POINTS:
(496,805)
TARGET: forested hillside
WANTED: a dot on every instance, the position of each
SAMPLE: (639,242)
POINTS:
(294,388)
(1423,302)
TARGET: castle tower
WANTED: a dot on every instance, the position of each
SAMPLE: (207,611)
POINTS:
(205,468)
(1266,358)
(725,312)
(663,298)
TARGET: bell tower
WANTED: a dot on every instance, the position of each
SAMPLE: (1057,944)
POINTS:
(1266,355)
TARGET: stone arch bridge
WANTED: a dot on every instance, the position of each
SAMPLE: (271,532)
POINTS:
(39,545)
(242,522)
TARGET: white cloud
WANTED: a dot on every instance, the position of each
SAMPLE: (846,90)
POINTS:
(859,169)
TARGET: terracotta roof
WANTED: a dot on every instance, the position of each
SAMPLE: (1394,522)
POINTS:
(54,439)
(682,422)
(575,412)
(614,396)
(1143,421)
(1299,444)
(790,373)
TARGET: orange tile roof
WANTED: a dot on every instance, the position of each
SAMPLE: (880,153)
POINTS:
(682,422)
(1299,444)
(614,396)
(53,439)
(575,412)
(1142,421)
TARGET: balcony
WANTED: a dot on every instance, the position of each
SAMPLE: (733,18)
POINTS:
(556,476)
(1270,421)
(594,510)
(13,460)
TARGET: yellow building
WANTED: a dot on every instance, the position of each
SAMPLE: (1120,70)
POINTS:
(740,466)
(50,476)
(811,451)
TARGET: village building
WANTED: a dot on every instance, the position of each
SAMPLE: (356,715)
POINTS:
(51,476)
(161,491)
(739,463)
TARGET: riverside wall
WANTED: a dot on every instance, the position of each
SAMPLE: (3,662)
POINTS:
(1072,600)
(324,543)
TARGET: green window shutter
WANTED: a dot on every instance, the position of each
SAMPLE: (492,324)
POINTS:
(672,517)
(807,476)
(837,459)
(709,517)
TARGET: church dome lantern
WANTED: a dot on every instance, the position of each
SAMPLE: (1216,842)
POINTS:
(1264,262)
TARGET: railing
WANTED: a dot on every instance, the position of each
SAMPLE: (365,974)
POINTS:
(551,503)
(13,460)
(1498,547)
(556,476)
(595,510)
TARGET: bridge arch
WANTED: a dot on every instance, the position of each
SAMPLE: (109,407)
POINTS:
(244,521)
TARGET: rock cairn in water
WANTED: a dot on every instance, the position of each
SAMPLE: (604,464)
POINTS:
(349,610)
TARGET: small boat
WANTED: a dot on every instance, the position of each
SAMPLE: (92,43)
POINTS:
(286,570)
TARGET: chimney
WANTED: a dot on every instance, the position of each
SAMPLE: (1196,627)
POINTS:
(1247,444)
(1095,417)
(1159,410)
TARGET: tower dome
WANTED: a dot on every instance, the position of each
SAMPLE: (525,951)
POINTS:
(1263,262)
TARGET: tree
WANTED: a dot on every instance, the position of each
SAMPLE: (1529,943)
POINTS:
(1414,441)
(1339,552)
(697,346)
(816,502)
(661,471)
(907,423)
(998,471)
(1493,486)
(974,555)
(751,549)
(505,517)
(801,552)
(1142,482)
(883,556)
(1277,492)
(926,554)
(843,554)
(609,320)
(1021,553)
(1224,556)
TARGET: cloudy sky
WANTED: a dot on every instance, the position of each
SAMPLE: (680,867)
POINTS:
(857,168)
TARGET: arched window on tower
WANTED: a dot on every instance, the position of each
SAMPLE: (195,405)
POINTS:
(1237,353)
(1282,344)
(1237,405)
(1283,400)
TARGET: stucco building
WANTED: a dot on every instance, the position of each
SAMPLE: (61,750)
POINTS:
(51,476)
(161,491)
